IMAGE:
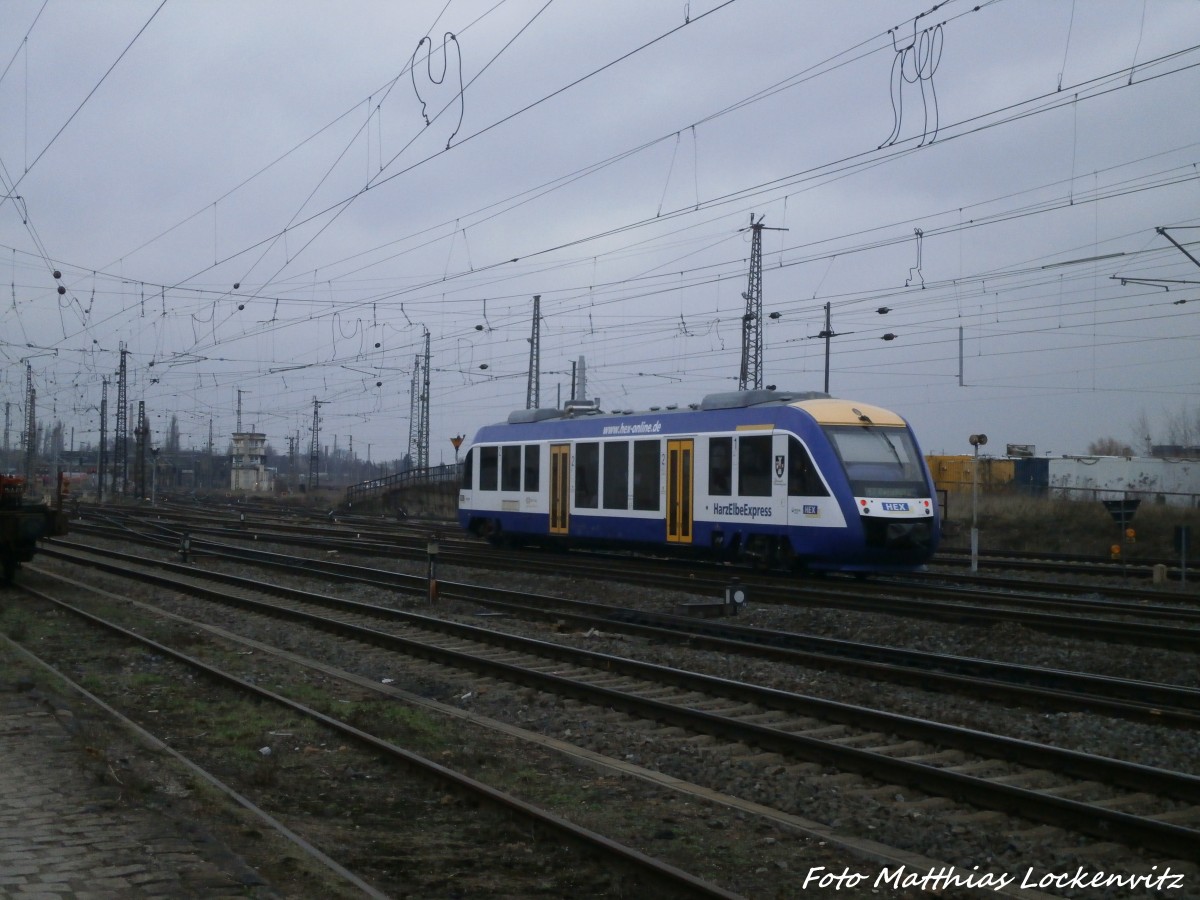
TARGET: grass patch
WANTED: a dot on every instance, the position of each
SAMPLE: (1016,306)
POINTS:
(412,728)
(1065,526)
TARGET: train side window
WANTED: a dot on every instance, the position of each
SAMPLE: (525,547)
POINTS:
(720,466)
(489,468)
(646,458)
(468,469)
(803,480)
(533,469)
(616,475)
(754,466)
(510,468)
(587,475)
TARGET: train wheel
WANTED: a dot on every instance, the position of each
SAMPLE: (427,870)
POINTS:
(489,530)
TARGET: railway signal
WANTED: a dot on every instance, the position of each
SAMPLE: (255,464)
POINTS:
(1122,512)
(431,552)
(976,441)
(1183,538)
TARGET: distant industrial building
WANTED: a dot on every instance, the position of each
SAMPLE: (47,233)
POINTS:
(1170,479)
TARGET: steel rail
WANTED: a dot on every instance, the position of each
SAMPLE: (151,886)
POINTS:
(895,602)
(648,865)
(1144,701)
(1095,820)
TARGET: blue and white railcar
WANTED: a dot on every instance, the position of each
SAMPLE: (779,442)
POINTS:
(790,478)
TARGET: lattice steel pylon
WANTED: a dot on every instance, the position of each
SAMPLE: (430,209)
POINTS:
(533,388)
(314,453)
(30,423)
(139,451)
(750,375)
(121,438)
(418,419)
(102,461)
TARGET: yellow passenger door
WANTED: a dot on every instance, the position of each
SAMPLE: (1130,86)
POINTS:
(560,487)
(680,455)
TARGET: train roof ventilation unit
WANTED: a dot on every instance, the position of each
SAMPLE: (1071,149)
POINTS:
(581,408)
(757,397)
(529,416)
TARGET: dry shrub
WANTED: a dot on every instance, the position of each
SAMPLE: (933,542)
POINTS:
(1048,525)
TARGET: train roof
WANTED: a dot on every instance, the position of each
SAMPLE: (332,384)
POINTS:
(824,409)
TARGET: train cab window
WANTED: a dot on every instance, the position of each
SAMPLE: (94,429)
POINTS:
(468,469)
(803,480)
(489,468)
(616,475)
(532,467)
(754,466)
(587,475)
(645,474)
(510,468)
(720,466)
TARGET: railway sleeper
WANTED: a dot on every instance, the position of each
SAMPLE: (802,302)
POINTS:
(1080,790)
(804,770)
(898,750)
(925,804)
(735,709)
(670,732)
(937,758)
(864,740)
(824,731)
(849,782)
(1038,834)
(760,759)
(1037,779)
(1131,803)
(1102,850)
(965,819)
(1187,817)
(888,793)
(795,726)
(721,750)
(772,718)
(983,768)
(664,692)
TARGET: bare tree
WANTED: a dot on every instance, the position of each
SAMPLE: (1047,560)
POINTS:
(173,435)
(1180,429)
(1142,432)
(1109,446)
(1183,427)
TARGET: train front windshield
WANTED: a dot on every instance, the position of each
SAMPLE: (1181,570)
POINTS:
(880,461)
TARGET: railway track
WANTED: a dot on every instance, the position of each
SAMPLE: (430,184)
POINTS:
(1135,618)
(376,530)
(1075,791)
(1031,686)
(1141,568)
(590,864)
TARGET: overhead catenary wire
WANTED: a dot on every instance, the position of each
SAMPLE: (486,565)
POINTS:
(629,293)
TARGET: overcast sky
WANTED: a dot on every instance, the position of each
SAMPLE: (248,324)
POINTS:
(249,197)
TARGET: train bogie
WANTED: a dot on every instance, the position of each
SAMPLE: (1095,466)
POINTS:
(784,478)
